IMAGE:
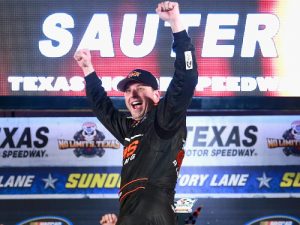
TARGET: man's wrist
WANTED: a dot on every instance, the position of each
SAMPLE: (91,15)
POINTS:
(176,25)
(88,70)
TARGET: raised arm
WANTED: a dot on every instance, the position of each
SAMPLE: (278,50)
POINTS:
(169,11)
(102,105)
(172,109)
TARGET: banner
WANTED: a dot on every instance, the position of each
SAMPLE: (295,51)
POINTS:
(239,182)
(242,140)
(59,141)
(193,182)
(225,157)
(211,141)
(242,47)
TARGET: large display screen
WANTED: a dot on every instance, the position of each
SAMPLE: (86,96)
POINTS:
(243,48)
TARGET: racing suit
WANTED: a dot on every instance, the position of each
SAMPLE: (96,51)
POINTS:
(153,147)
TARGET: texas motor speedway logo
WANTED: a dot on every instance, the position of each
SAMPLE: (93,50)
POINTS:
(24,142)
(221,141)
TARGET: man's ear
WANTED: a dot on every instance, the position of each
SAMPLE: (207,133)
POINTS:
(156,96)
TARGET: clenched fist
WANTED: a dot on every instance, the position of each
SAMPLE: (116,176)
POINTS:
(84,60)
(169,11)
(108,219)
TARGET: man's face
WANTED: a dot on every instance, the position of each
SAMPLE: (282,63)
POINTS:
(140,99)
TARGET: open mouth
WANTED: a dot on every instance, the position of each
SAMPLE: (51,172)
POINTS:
(136,104)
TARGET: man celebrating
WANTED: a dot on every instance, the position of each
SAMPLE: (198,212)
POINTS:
(154,135)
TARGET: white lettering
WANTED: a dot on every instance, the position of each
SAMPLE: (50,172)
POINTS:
(98,36)
(229,180)
(30,84)
(205,83)
(214,33)
(260,28)
(45,84)
(189,20)
(50,48)
(15,83)
(248,84)
(127,45)
(27,83)
(16,181)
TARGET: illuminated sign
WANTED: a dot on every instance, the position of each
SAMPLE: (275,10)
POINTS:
(243,49)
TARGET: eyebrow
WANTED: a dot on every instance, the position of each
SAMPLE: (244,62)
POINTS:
(138,85)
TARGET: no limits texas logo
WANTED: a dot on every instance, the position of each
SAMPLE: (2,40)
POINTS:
(290,142)
(88,142)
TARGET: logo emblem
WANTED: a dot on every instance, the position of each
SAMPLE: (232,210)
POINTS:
(46,220)
(88,142)
(134,74)
(275,220)
(290,142)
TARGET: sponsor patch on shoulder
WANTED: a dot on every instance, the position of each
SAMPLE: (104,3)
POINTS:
(188,60)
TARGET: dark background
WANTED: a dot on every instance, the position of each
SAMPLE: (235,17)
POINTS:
(88,211)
